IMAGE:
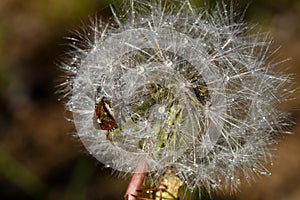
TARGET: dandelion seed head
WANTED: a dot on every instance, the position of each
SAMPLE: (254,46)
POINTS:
(188,88)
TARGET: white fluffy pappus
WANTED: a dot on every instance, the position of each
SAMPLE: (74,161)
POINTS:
(179,87)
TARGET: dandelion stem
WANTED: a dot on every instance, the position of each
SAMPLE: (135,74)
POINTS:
(136,180)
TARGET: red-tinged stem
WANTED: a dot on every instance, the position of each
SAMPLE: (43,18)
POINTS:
(136,180)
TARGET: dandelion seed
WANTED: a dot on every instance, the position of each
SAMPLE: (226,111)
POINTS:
(188,88)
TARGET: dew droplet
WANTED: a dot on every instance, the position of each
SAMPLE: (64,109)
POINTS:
(168,63)
(181,85)
(266,173)
(185,40)
(142,69)
(161,109)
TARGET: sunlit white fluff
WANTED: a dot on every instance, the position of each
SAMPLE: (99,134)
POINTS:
(217,110)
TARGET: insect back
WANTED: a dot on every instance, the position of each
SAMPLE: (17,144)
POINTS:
(104,118)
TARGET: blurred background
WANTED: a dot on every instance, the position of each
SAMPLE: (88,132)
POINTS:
(39,158)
